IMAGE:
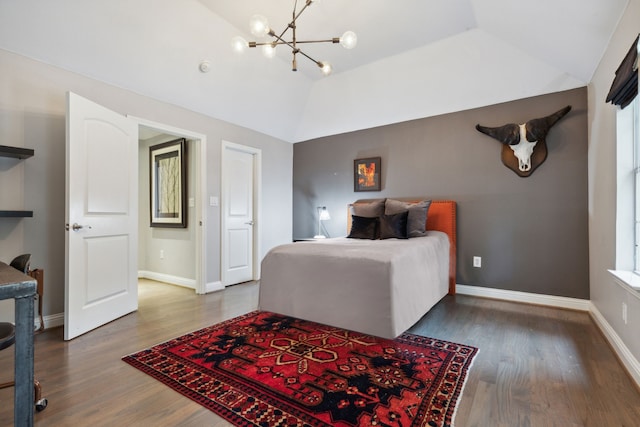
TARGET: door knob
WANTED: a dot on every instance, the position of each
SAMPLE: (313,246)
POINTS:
(249,222)
(76,226)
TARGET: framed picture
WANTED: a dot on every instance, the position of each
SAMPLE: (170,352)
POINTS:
(168,184)
(366,174)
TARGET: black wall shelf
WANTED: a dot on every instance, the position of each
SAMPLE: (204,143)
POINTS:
(16,214)
(15,152)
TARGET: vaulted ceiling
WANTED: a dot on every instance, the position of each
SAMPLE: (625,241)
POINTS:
(414,58)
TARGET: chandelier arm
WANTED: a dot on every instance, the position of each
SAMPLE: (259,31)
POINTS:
(281,34)
(282,42)
(296,16)
(318,63)
(333,40)
(292,24)
(294,50)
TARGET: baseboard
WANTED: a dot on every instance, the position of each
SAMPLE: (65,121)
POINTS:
(167,278)
(525,297)
(622,351)
(51,321)
(214,287)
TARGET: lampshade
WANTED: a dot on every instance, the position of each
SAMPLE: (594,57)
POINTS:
(324,214)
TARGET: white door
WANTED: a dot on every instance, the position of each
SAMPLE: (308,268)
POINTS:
(102,215)
(238,178)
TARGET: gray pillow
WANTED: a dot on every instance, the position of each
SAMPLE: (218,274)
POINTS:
(417,218)
(373,209)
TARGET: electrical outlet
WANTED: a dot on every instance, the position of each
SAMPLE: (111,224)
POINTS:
(624,312)
(161,254)
(477,261)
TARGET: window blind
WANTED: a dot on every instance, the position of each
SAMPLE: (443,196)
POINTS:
(625,84)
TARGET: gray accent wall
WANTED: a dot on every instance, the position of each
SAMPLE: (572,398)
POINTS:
(532,233)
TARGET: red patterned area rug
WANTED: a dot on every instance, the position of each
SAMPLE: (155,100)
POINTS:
(265,369)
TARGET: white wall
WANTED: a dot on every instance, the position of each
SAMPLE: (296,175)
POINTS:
(32,114)
(606,295)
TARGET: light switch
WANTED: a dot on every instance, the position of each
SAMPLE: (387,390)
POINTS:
(192,202)
(213,201)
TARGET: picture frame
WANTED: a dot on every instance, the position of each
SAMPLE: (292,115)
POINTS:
(367,174)
(168,184)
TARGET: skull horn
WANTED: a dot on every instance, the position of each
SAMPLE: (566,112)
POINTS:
(507,134)
(540,127)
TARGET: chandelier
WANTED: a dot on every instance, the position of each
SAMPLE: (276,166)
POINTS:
(260,28)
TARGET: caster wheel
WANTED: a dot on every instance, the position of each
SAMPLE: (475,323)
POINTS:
(41,404)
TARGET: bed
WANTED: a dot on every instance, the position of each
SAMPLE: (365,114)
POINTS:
(377,287)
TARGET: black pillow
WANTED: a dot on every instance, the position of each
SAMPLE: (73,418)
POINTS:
(394,226)
(363,228)
(417,219)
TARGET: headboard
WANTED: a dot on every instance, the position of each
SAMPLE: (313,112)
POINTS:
(441,217)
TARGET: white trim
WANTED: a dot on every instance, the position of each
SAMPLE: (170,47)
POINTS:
(622,351)
(51,321)
(201,215)
(629,280)
(214,286)
(199,141)
(525,297)
(167,278)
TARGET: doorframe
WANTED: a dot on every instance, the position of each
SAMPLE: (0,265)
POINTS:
(257,206)
(199,144)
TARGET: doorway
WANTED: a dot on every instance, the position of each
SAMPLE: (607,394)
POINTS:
(171,255)
(102,213)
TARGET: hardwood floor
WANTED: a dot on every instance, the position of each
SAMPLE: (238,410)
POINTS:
(537,366)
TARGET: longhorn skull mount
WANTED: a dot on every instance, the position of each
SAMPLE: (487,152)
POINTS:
(524,146)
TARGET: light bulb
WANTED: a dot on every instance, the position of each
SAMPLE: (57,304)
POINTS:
(326,68)
(239,44)
(259,26)
(268,50)
(349,40)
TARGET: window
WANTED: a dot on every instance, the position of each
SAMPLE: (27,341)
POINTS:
(628,193)
(636,172)
(623,93)
(626,228)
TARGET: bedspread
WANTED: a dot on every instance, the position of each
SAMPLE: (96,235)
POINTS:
(378,287)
